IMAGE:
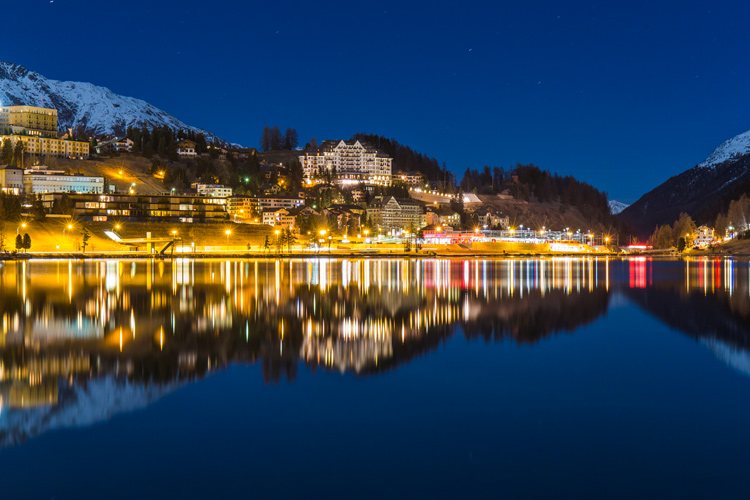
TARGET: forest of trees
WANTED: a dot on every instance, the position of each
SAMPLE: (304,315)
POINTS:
(163,141)
(667,236)
(529,181)
(405,158)
(272,139)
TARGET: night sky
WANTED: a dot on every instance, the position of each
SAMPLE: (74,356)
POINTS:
(621,96)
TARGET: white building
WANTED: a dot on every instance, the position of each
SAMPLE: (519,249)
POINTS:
(704,235)
(186,148)
(353,162)
(11,180)
(37,182)
(213,190)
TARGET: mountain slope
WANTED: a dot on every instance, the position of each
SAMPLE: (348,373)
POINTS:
(617,206)
(703,191)
(96,109)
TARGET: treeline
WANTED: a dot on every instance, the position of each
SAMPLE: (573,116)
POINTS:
(405,158)
(163,141)
(525,182)
(272,139)
(677,235)
(737,217)
(10,155)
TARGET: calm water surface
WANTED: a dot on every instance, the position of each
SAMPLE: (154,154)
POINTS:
(560,378)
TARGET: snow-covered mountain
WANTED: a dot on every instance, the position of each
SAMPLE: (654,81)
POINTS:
(736,146)
(617,206)
(702,191)
(97,109)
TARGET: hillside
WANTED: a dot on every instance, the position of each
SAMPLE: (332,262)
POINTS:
(84,106)
(535,215)
(703,191)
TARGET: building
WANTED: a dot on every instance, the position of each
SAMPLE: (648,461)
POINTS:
(140,208)
(449,217)
(186,148)
(391,213)
(36,128)
(28,120)
(278,217)
(487,218)
(118,144)
(11,180)
(349,162)
(213,190)
(411,178)
(704,235)
(251,207)
(41,180)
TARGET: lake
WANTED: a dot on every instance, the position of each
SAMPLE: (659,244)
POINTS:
(375,378)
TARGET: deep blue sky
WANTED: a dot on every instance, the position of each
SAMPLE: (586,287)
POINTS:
(621,96)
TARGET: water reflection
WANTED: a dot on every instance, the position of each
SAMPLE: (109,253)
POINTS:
(80,342)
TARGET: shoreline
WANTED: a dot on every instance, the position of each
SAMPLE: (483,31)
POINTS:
(332,255)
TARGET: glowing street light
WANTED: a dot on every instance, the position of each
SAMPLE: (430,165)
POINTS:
(228,232)
(23,225)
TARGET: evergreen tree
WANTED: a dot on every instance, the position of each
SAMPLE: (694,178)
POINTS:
(277,140)
(290,139)
(265,139)
(6,156)
(18,154)
(19,242)
(38,212)
(26,242)
(313,143)
(85,237)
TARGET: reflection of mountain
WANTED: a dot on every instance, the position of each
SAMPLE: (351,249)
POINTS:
(709,301)
(81,342)
(82,403)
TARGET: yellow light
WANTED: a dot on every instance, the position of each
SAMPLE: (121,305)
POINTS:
(323,232)
(23,224)
(70,226)
(277,231)
(228,232)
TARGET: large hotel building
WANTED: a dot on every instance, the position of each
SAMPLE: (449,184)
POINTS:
(37,128)
(354,162)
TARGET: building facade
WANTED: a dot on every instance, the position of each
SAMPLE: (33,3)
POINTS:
(11,180)
(349,162)
(36,182)
(251,207)
(391,213)
(36,128)
(140,208)
(186,148)
(213,190)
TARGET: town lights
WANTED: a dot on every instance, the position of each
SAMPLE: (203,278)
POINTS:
(322,232)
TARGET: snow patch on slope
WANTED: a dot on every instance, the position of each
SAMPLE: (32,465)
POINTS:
(736,146)
(97,109)
(617,206)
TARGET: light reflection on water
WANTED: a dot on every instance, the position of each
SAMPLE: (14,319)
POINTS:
(74,333)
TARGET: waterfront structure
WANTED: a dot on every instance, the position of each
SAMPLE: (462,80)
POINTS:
(36,128)
(140,208)
(391,213)
(487,218)
(704,235)
(347,163)
(11,180)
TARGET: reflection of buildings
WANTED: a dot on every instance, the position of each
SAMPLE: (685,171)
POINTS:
(70,330)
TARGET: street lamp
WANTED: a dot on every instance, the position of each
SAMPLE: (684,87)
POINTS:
(228,232)
(69,226)
(23,225)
